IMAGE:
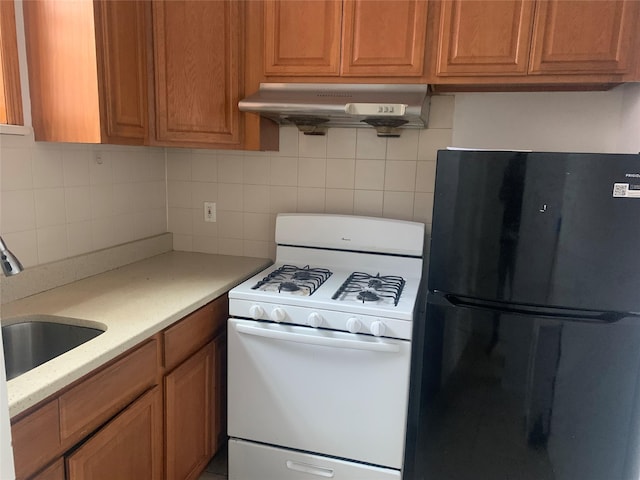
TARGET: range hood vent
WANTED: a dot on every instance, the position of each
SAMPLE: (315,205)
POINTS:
(315,107)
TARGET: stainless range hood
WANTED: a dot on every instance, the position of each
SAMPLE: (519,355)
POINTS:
(314,107)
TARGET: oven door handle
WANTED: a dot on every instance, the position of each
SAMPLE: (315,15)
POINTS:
(314,340)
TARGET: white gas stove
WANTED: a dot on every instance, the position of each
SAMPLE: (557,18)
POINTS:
(329,322)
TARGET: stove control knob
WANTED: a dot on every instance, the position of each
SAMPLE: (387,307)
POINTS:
(256,312)
(378,328)
(278,314)
(314,320)
(354,325)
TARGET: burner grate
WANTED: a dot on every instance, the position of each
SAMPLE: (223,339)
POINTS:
(371,288)
(292,279)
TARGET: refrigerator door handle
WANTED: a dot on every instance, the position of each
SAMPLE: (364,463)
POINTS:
(567,314)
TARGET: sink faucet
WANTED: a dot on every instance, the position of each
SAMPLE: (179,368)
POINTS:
(10,264)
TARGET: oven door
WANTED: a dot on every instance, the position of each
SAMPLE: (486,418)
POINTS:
(320,391)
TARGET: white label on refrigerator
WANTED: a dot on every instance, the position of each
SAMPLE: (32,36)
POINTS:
(626,190)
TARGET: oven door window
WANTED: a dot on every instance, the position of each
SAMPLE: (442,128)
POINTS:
(321,391)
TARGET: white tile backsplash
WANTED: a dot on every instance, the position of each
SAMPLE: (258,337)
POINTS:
(77,204)
(404,147)
(312,146)
(47,166)
(341,172)
(339,200)
(400,176)
(312,172)
(18,212)
(256,198)
(348,171)
(368,202)
(50,207)
(16,169)
(311,200)
(255,170)
(369,145)
(283,171)
(341,143)
(398,205)
(370,174)
(75,167)
(204,166)
(230,168)
(52,243)
(62,200)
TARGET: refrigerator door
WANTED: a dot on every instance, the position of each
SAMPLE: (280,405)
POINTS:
(553,229)
(529,397)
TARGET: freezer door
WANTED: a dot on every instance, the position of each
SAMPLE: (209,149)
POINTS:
(553,229)
(509,396)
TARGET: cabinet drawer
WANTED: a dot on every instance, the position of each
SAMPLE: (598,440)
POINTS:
(86,406)
(36,439)
(194,331)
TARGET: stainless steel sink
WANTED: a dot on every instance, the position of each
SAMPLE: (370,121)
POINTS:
(36,339)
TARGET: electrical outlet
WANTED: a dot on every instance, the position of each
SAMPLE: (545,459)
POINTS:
(209,211)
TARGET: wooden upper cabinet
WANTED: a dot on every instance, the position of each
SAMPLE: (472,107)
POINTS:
(87,70)
(384,38)
(345,38)
(582,37)
(302,37)
(525,42)
(197,49)
(121,29)
(484,38)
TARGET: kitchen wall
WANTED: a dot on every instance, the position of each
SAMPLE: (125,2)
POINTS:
(349,171)
(62,200)
(550,121)
(629,140)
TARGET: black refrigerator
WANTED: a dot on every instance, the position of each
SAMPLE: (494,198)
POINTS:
(526,359)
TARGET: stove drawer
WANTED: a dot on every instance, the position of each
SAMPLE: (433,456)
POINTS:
(332,393)
(251,461)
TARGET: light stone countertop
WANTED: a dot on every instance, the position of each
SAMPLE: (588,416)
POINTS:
(133,303)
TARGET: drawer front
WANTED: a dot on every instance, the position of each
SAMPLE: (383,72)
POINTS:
(253,461)
(86,406)
(36,439)
(194,331)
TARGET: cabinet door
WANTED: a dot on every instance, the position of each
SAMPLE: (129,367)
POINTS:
(484,38)
(53,472)
(36,439)
(384,38)
(189,411)
(121,42)
(302,38)
(197,67)
(575,37)
(130,446)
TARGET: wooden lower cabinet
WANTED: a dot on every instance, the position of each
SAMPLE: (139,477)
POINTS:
(54,472)
(128,447)
(220,385)
(189,413)
(156,412)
